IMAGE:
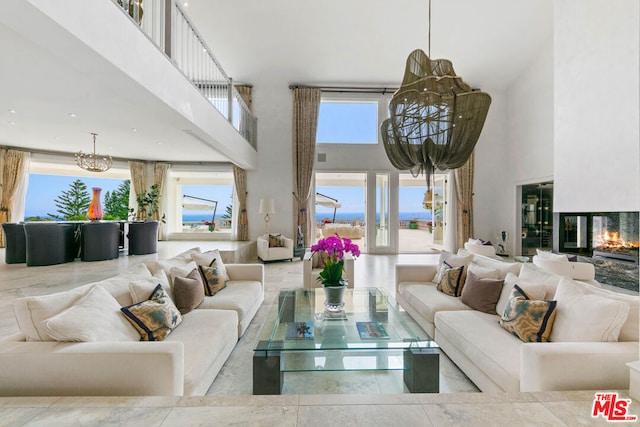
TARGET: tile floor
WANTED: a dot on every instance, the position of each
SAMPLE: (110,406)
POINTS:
(307,400)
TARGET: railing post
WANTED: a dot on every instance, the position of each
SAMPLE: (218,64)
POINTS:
(230,101)
(168,27)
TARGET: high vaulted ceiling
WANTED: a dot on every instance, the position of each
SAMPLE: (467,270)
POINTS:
(275,42)
(366,42)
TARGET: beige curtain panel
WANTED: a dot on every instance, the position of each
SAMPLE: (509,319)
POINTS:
(240,187)
(13,162)
(464,198)
(159,178)
(138,177)
(306,104)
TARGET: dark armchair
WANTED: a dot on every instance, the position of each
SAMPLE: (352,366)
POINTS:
(100,241)
(49,243)
(143,237)
(15,243)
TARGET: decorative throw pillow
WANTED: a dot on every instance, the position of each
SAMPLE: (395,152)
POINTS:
(212,278)
(94,317)
(188,292)
(451,280)
(586,317)
(181,271)
(481,293)
(155,318)
(452,260)
(207,258)
(530,320)
(276,241)
(179,260)
(319,259)
(534,289)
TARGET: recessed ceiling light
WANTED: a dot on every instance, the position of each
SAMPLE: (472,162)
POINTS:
(159,143)
(12,111)
(72,115)
(57,138)
(134,130)
(186,4)
(12,123)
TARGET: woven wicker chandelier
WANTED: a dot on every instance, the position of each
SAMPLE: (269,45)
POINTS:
(435,117)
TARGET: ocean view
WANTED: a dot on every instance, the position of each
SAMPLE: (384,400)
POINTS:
(345,216)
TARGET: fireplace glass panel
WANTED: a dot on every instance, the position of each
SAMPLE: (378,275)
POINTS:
(575,232)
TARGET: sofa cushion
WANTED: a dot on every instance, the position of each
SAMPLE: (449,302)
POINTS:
(204,352)
(451,280)
(481,293)
(30,312)
(427,300)
(188,292)
(535,289)
(502,266)
(212,278)
(207,258)
(94,317)
(155,318)
(118,286)
(238,295)
(483,272)
(530,320)
(585,317)
(179,260)
(551,255)
(478,337)
(140,290)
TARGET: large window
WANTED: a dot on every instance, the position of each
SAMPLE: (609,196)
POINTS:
(347,122)
(202,201)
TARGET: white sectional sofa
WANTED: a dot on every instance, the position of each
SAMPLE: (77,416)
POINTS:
(496,360)
(185,363)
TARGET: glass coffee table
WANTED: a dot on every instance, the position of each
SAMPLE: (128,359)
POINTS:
(371,333)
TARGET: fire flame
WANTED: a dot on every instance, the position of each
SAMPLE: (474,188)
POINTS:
(613,240)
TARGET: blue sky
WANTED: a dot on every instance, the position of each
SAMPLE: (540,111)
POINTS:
(352,199)
(348,122)
(43,190)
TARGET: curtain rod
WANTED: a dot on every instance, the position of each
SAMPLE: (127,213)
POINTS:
(348,89)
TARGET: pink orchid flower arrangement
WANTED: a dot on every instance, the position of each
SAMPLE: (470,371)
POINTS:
(335,247)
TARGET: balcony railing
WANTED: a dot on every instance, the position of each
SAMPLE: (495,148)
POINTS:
(167,25)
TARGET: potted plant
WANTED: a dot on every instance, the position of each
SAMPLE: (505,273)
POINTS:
(149,205)
(330,277)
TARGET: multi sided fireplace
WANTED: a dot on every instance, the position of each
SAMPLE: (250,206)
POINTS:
(612,235)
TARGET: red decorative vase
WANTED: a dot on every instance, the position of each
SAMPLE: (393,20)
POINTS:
(95,208)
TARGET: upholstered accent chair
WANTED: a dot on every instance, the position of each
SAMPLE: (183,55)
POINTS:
(50,243)
(100,241)
(275,247)
(312,266)
(15,242)
(143,237)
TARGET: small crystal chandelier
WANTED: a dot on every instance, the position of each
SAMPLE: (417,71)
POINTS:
(93,162)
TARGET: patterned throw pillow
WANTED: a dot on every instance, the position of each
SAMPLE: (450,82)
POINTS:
(451,281)
(276,241)
(530,320)
(212,278)
(188,291)
(155,318)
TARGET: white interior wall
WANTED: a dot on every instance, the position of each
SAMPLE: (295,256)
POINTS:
(490,213)
(597,117)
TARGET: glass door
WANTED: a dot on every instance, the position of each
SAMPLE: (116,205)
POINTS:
(383,229)
(439,214)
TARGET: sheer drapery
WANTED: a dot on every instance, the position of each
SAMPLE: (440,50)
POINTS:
(464,199)
(306,105)
(159,178)
(138,178)
(13,170)
(240,186)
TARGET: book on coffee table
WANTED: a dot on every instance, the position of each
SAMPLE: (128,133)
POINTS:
(300,330)
(371,331)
